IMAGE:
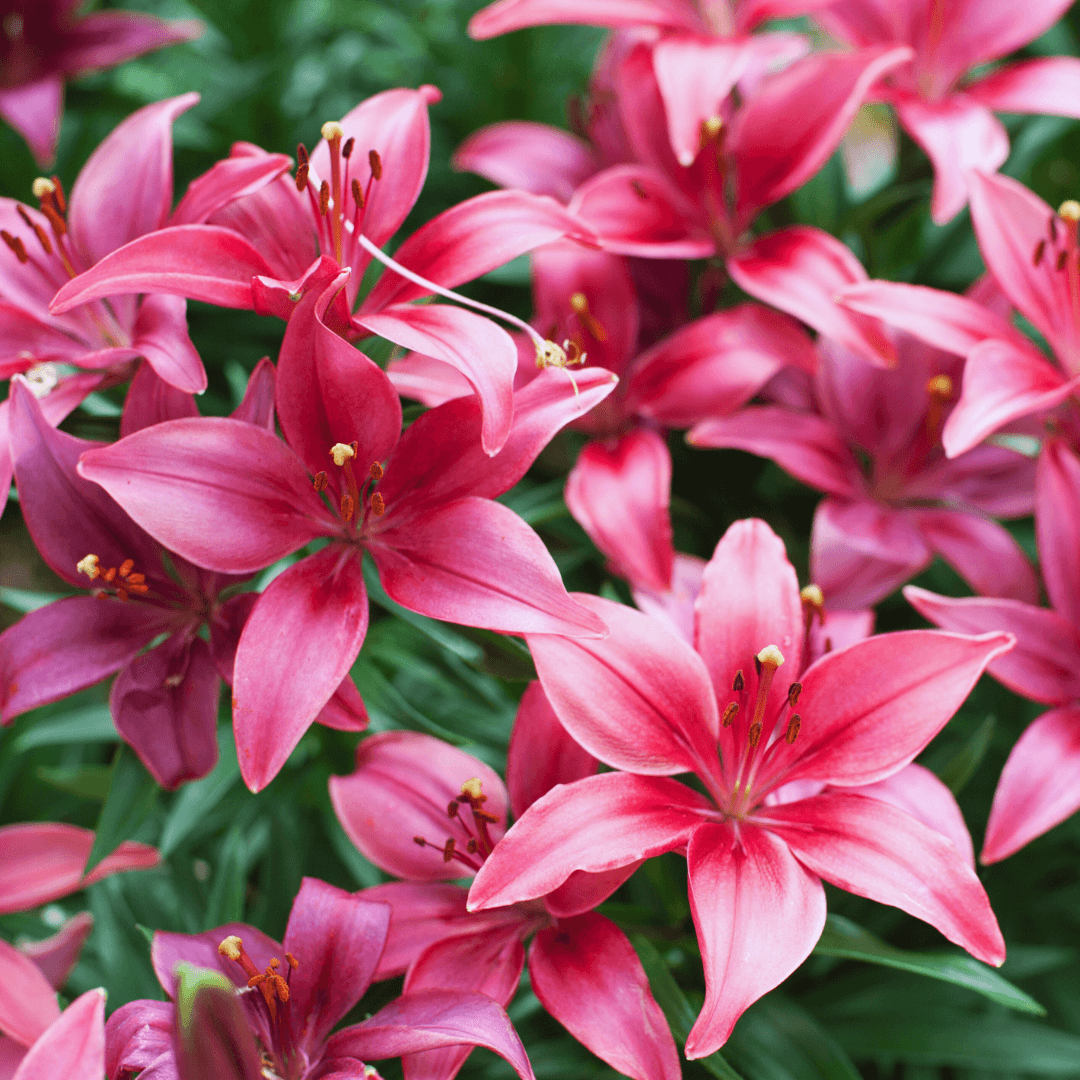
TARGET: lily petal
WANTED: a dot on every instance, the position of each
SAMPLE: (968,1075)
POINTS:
(151,400)
(74,1045)
(1057,526)
(161,335)
(507,15)
(27,1000)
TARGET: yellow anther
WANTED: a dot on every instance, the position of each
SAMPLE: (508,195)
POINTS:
(341,452)
(1069,210)
(812,597)
(88,565)
(42,186)
(230,947)
(579,303)
(711,126)
(332,130)
(770,656)
(939,386)
(472,789)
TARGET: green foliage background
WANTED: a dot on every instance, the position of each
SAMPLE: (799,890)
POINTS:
(271,71)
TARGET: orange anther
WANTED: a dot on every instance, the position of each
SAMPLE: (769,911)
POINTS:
(134,579)
(378,504)
(282,989)
(792,732)
(110,574)
(121,594)
(58,194)
(126,567)
(292,961)
(58,224)
(376,471)
(729,714)
(348,507)
(319,483)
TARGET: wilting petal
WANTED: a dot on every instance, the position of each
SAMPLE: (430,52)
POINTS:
(1049,86)
(164,704)
(400,789)
(597,824)
(758,913)
(528,156)
(297,645)
(542,752)
(339,937)
(957,134)
(1057,526)
(507,15)
(801,270)
(139,1035)
(27,1000)
(151,400)
(429,1020)
(803,444)
(1044,666)
(867,710)
(587,975)
(74,1045)
(618,493)
(675,607)
(233,178)
(640,699)
(474,561)
(1039,786)
(161,336)
(57,955)
(873,849)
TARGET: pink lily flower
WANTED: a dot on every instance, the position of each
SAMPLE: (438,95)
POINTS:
(948,113)
(394,807)
(43,862)
(234,498)
(648,705)
(1031,252)
(72,1047)
(247,235)
(870,439)
(1038,788)
(46,42)
(288,999)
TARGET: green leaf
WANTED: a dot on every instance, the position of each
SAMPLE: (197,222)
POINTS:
(25,600)
(670,998)
(132,794)
(960,768)
(199,798)
(93,723)
(846,940)
(85,781)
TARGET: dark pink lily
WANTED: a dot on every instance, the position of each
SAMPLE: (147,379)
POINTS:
(247,235)
(234,498)
(1031,251)
(870,438)
(1040,784)
(394,807)
(289,997)
(72,1047)
(648,705)
(42,862)
(949,113)
(45,42)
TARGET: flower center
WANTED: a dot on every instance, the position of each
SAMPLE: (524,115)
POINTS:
(357,500)
(121,578)
(479,843)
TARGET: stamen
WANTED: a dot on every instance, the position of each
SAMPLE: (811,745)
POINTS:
(348,508)
(1040,248)
(794,690)
(126,567)
(347,149)
(292,961)
(376,164)
(448,850)
(301,153)
(324,197)
(357,194)
(792,732)
(341,452)
(39,232)
(738,683)
(1062,259)
(16,245)
(729,714)
(768,660)
(320,481)
(88,565)
(378,504)
(376,471)
(754,734)
(639,190)
(58,194)
(302,177)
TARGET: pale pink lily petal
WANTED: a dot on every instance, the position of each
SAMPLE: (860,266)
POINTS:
(400,789)
(235,177)
(44,861)
(502,579)
(802,270)
(640,699)
(151,400)
(541,753)
(74,1045)
(985,554)
(588,959)
(1044,666)
(1039,786)
(596,824)
(57,955)
(125,189)
(311,619)
(675,606)
(160,335)
(223,493)
(428,1020)
(1057,526)
(34,110)
(873,849)
(920,793)
(746,890)
(618,493)
(1049,86)
(27,999)
(957,134)
(507,15)
(922,677)
(803,444)
(531,157)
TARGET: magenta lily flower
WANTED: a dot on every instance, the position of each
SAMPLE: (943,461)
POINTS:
(46,42)
(247,235)
(289,997)
(946,111)
(43,862)
(394,807)
(648,705)
(72,1047)
(870,438)
(1038,788)
(1031,252)
(234,498)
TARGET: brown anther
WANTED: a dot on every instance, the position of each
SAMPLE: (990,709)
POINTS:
(420,841)
(794,690)
(793,726)
(639,189)
(348,507)
(452,809)
(1037,258)
(324,197)
(828,644)
(301,153)
(729,714)
(376,471)
(738,682)
(58,224)
(58,194)
(472,846)
(378,504)
(39,232)
(376,164)
(302,177)
(15,244)
(126,567)
(940,386)
(110,574)
(1051,228)
(448,850)
(347,149)
(357,193)
(1062,259)
(319,483)
(754,734)
(292,961)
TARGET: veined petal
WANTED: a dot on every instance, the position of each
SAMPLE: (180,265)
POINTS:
(757,912)
(1039,786)
(233,178)
(596,824)
(1057,526)
(27,1000)
(874,849)
(507,15)
(675,606)
(139,1035)
(151,400)
(1049,86)
(74,1045)
(297,645)
(587,975)
(161,336)
(257,406)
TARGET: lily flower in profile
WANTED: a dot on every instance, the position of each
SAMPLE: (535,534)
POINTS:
(757,844)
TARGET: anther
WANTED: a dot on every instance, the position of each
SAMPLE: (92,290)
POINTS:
(42,187)
(39,232)
(1037,258)
(58,194)
(420,841)
(376,164)
(348,508)
(940,386)
(341,452)
(738,682)
(332,130)
(324,197)
(301,153)
(793,726)
(452,808)
(357,194)
(729,714)
(1062,259)
(472,847)
(448,850)
(292,961)
(376,471)
(378,504)
(794,690)
(126,567)
(15,244)
(754,734)
(109,574)
(88,565)
(347,149)
(281,987)
(58,224)
(639,189)
(302,177)
(1069,211)
(319,483)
